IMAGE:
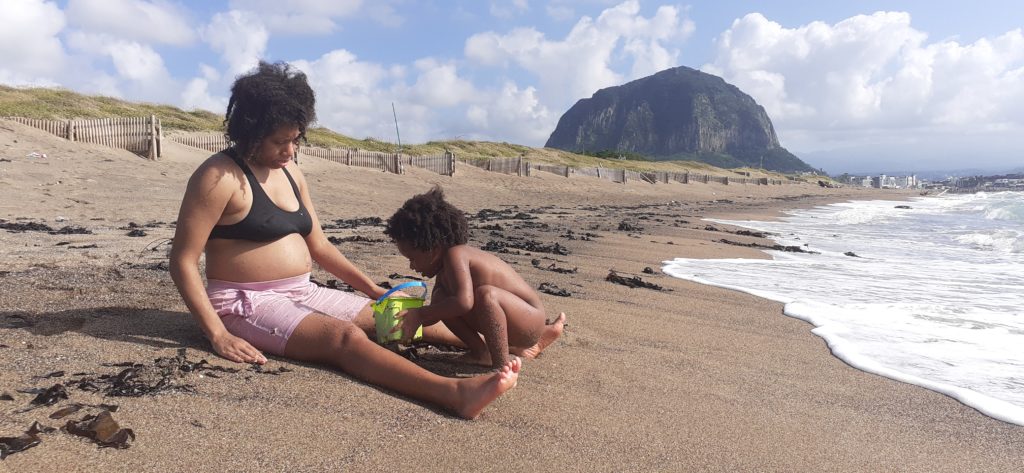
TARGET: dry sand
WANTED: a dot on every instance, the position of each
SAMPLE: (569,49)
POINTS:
(692,378)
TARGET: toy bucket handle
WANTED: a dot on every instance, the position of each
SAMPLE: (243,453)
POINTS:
(403,286)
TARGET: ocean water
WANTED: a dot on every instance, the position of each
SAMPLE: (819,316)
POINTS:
(933,297)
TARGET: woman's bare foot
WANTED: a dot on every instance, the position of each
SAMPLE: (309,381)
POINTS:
(476,393)
(551,333)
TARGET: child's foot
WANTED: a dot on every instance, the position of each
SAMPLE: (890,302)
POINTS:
(551,333)
(476,393)
(470,358)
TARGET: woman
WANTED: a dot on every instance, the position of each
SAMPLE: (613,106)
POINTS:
(251,213)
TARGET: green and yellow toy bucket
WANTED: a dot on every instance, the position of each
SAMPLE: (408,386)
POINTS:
(386,308)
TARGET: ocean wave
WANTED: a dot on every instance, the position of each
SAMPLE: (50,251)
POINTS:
(1007,241)
(932,298)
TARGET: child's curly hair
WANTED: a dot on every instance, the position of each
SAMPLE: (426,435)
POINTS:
(270,96)
(427,221)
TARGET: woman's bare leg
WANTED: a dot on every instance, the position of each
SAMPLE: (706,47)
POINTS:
(323,339)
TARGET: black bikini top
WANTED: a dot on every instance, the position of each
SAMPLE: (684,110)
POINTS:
(265,220)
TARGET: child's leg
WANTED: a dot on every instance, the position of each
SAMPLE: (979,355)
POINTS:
(504,320)
(551,333)
(324,339)
(470,339)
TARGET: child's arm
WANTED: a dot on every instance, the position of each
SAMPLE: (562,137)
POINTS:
(454,294)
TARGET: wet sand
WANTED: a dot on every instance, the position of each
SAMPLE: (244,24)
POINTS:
(686,378)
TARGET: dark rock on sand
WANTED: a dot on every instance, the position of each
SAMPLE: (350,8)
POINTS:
(788,249)
(554,290)
(631,282)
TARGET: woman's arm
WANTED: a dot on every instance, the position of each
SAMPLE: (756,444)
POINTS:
(205,199)
(327,255)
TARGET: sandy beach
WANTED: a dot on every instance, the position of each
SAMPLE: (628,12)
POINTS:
(685,378)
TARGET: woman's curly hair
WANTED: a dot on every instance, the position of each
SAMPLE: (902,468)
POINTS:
(427,221)
(270,96)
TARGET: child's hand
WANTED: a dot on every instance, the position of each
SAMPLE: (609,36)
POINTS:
(408,323)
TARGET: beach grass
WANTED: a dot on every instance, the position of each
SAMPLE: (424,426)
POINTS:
(62,104)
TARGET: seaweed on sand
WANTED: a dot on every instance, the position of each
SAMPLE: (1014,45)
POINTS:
(631,282)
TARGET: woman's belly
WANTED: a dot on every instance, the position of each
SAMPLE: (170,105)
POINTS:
(250,261)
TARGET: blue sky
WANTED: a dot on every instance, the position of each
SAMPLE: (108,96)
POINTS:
(851,86)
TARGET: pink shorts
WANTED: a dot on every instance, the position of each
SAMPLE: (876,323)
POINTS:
(266,313)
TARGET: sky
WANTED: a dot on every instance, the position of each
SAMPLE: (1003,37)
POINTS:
(850,86)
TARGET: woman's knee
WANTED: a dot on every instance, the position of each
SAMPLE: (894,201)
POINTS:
(346,334)
(325,339)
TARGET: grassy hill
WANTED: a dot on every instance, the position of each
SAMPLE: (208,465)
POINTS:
(49,103)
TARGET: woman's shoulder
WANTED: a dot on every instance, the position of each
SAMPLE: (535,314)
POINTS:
(219,162)
(218,168)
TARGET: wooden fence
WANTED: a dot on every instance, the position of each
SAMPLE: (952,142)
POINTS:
(386,162)
(614,175)
(140,135)
(143,135)
(443,164)
(517,166)
(209,141)
(554,169)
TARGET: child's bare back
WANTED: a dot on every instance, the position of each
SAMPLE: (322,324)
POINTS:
(479,297)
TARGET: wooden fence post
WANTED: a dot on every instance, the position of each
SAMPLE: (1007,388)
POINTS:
(450,163)
(159,139)
(151,129)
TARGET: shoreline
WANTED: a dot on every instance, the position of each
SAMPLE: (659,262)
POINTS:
(841,347)
(689,377)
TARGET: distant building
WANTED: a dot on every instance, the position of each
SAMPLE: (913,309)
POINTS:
(893,182)
(882,181)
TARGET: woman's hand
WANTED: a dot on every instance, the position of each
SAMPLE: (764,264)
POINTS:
(237,349)
(408,322)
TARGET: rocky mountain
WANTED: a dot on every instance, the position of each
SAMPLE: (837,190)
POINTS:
(678,113)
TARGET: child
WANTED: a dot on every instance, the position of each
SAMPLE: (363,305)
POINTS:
(476,294)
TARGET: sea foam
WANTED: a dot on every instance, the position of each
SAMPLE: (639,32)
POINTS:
(933,297)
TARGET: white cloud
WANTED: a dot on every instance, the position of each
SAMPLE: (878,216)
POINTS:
(352,95)
(145,21)
(240,37)
(132,60)
(871,79)
(512,114)
(196,95)
(304,17)
(438,85)
(432,101)
(140,71)
(209,72)
(581,63)
(31,52)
